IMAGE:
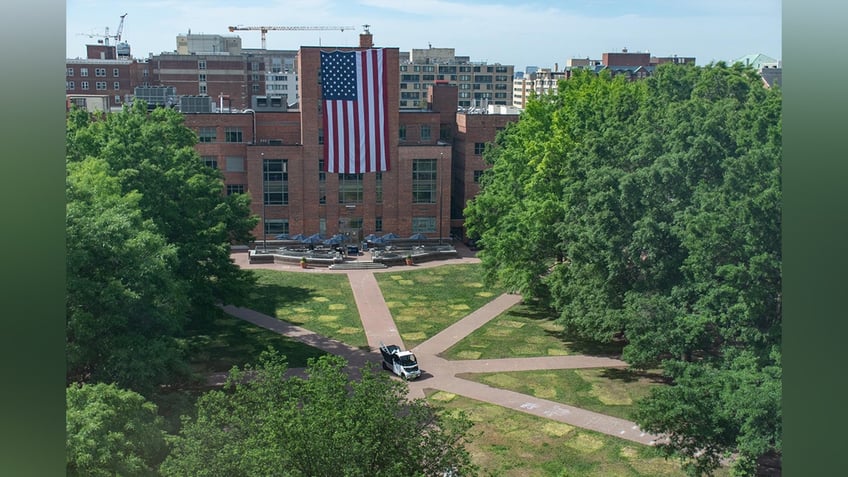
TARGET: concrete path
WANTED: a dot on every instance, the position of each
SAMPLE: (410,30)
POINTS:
(441,374)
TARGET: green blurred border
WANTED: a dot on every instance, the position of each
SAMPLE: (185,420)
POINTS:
(814,235)
(32,244)
(32,398)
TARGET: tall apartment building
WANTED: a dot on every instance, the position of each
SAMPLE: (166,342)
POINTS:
(538,82)
(479,83)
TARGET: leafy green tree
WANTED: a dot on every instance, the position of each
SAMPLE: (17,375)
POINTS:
(322,425)
(124,305)
(649,212)
(152,152)
(112,431)
(148,244)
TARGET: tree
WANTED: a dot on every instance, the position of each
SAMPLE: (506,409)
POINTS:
(124,304)
(148,244)
(649,212)
(152,152)
(323,425)
(112,431)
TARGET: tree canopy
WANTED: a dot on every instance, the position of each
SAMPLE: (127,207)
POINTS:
(325,424)
(148,236)
(649,212)
(112,431)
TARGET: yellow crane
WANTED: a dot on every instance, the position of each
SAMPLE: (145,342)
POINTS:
(266,29)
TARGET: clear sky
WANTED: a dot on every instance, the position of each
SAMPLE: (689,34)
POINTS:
(528,33)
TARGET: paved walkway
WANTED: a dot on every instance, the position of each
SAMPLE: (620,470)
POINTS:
(439,373)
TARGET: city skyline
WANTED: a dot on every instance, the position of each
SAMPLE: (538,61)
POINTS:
(494,31)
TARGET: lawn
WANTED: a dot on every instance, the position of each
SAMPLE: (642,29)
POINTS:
(319,302)
(424,302)
(522,331)
(510,443)
(608,391)
(223,341)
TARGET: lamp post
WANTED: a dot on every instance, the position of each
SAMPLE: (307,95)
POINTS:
(264,223)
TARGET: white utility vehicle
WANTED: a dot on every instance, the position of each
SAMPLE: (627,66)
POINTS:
(402,363)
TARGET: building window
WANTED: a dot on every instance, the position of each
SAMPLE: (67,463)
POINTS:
(83,71)
(235,189)
(117,99)
(145,73)
(201,89)
(275,181)
(423,181)
(207,135)
(116,72)
(350,188)
(201,64)
(423,225)
(100,72)
(232,135)
(378,191)
(402,132)
(84,85)
(320,136)
(100,86)
(479,147)
(322,226)
(70,72)
(322,183)
(378,224)
(477,176)
(201,77)
(235,164)
(276,226)
(69,85)
(210,161)
(254,66)
(254,88)
(116,85)
(425,132)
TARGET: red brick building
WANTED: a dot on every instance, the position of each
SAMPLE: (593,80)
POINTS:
(281,153)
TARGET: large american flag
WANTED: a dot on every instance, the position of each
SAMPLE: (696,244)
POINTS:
(355,107)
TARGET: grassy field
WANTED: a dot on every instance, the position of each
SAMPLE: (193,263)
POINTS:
(522,331)
(509,443)
(608,391)
(320,302)
(426,301)
(223,342)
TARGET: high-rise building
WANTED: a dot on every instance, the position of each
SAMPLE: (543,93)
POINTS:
(479,83)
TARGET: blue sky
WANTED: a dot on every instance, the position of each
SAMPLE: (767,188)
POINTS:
(508,32)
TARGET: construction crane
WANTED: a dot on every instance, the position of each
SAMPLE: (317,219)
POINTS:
(266,29)
(107,36)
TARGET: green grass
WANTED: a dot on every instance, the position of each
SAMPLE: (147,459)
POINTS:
(522,331)
(426,301)
(607,391)
(218,344)
(319,302)
(510,443)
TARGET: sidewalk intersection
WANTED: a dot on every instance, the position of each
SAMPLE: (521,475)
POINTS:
(439,373)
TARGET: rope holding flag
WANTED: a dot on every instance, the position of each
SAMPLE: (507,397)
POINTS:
(355,111)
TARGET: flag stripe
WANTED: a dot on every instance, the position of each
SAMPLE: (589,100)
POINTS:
(355,102)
